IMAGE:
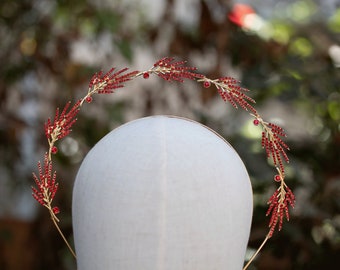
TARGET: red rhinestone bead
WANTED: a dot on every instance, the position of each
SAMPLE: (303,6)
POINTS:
(89,99)
(56,210)
(256,122)
(206,84)
(277,178)
(146,75)
(54,150)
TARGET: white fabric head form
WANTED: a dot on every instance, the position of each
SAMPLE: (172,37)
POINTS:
(161,193)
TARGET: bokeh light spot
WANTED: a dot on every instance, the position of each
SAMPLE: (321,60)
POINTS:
(28,46)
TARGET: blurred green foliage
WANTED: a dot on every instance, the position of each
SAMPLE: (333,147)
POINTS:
(292,76)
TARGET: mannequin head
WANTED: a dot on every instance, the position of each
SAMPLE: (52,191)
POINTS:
(161,193)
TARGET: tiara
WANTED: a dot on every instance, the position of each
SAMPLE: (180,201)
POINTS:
(229,89)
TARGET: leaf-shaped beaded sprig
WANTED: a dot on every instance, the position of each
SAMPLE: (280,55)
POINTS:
(169,70)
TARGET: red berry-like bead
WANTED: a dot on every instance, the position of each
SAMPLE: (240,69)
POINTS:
(56,210)
(256,122)
(54,150)
(89,99)
(146,75)
(206,84)
(277,178)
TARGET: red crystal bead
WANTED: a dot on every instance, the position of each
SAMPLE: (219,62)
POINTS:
(56,210)
(277,178)
(146,75)
(89,99)
(256,122)
(54,150)
(206,84)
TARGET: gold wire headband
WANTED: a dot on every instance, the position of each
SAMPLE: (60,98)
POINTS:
(170,70)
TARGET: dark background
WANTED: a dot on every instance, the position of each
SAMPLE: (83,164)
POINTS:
(290,61)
